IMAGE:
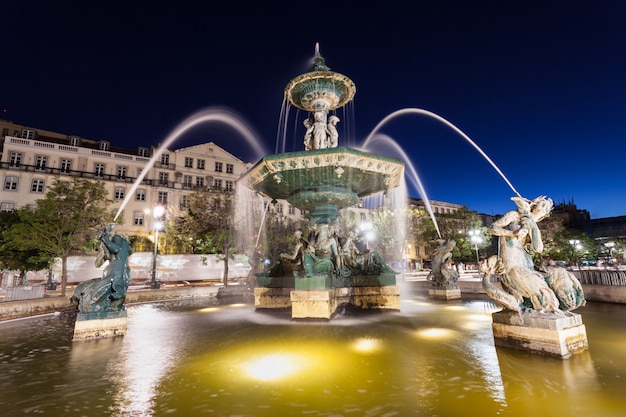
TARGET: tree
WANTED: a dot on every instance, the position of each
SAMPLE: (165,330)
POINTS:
(63,222)
(205,226)
(13,258)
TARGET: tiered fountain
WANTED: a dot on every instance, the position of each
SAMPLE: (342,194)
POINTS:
(327,269)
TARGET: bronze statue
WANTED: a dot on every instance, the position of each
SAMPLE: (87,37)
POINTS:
(106,294)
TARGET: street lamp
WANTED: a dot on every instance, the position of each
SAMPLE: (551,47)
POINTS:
(156,213)
(476,238)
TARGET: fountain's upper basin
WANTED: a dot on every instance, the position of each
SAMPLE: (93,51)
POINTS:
(317,90)
(338,175)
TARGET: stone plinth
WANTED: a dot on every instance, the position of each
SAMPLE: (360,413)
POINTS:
(376,298)
(543,333)
(96,326)
(448,293)
(313,304)
(272,298)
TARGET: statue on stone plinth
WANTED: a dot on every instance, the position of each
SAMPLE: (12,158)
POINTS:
(442,274)
(106,294)
(549,289)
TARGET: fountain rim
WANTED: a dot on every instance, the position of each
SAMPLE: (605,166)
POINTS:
(325,75)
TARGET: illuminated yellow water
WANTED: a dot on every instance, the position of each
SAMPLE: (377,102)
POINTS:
(432,358)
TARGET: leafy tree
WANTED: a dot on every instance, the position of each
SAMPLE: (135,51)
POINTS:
(13,258)
(205,226)
(63,222)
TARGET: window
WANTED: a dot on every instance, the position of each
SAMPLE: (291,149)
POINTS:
(200,181)
(163,178)
(200,164)
(187,181)
(5,132)
(15,159)
(41,161)
(218,183)
(11,183)
(140,194)
(292,209)
(188,162)
(121,172)
(98,169)
(37,186)
(143,152)
(279,208)
(66,165)
(7,206)
(218,167)
(138,218)
(162,198)
(74,141)
(104,145)
(229,186)
(184,202)
(28,134)
(229,168)
(165,159)
(119,193)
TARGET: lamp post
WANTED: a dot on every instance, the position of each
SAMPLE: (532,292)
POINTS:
(476,238)
(157,212)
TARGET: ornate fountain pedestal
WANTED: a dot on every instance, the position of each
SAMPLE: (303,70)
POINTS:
(95,325)
(548,334)
(452,292)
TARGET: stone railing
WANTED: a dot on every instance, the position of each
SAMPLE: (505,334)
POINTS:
(609,277)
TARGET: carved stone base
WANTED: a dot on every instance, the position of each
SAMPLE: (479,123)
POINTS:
(96,326)
(542,333)
(314,304)
(376,298)
(451,293)
(272,298)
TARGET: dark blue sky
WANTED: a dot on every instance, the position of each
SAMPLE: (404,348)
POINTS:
(540,86)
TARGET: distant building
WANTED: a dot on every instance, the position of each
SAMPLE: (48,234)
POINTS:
(31,158)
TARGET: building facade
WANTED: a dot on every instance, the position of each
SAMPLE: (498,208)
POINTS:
(32,158)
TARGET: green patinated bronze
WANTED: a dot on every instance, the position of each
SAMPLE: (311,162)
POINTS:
(322,180)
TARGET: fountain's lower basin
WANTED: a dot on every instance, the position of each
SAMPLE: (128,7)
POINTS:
(203,357)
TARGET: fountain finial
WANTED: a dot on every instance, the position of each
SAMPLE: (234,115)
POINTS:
(319,63)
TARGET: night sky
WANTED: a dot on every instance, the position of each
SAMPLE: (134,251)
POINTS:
(539,86)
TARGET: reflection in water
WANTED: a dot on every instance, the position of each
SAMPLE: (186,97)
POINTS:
(432,358)
(150,349)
